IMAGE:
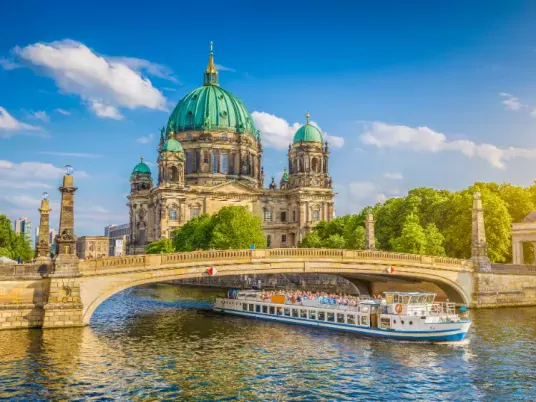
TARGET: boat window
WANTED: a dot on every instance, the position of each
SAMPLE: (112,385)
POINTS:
(245,306)
(303,313)
(340,318)
(389,299)
(364,320)
(396,299)
(322,315)
(294,312)
(411,323)
(331,317)
(312,314)
(251,307)
(405,299)
(402,322)
(280,311)
(272,310)
(257,308)
(287,311)
(265,309)
(350,319)
(394,321)
(364,309)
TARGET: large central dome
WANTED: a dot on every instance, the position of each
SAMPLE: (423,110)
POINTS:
(211,107)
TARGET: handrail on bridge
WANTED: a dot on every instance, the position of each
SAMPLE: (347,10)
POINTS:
(146,260)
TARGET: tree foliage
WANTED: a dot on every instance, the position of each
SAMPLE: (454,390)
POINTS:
(344,232)
(233,227)
(160,246)
(435,222)
(13,245)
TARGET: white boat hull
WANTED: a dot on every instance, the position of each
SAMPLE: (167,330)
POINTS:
(442,332)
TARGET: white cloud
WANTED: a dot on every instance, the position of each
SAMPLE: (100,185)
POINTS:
(23,184)
(223,68)
(104,83)
(393,176)
(533,113)
(8,124)
(63,112)
(278,133)
(41,115)
(511,102)
(105,111)
(362,190)
(73,154)
(33,170)
(383,135)
(145,140)
(141,65)
(8,64)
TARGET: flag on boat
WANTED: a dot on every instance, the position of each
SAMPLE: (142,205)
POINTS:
(391,270)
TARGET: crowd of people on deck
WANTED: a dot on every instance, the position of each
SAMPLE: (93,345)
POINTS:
(298,296)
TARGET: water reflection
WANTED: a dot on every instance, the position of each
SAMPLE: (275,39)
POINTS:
(156,342)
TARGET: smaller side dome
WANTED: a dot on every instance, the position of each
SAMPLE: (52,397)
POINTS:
(172,145)
(141,168)
(308,133)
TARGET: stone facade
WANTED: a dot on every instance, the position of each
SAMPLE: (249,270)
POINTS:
(206,165)
(92,247)
(523,232)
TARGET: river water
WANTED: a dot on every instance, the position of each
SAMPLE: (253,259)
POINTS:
(159,343)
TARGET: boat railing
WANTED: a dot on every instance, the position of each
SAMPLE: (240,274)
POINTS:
(443,309)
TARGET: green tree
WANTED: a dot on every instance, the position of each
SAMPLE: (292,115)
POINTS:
(412,239)
(160,246)
(342,232)
(235,227)
(434,241)
(194,234)
(13,245)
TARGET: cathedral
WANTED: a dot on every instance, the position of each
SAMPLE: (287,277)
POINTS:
(210,156)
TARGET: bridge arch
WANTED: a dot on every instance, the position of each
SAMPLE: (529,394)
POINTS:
(103,278)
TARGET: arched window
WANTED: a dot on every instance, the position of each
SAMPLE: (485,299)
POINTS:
(174,174)
(314,165)
(267,215)
(172,214)
(195,211)
(316,215)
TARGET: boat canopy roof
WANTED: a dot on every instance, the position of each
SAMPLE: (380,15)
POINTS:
(410,293)
(409,297)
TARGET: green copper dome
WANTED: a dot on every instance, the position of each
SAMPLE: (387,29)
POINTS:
(141,168)
(172,145)
(211,107)
(285,175)
(308,133)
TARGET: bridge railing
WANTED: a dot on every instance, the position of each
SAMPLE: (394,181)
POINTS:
(153,260)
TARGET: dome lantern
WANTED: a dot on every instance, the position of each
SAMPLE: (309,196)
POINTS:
(211,74)
(141,168)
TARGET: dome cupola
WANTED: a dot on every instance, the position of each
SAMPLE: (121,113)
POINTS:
(172,145)
(141,168)
(211,107)
(308,133)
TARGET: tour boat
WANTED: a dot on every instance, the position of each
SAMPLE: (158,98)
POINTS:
(407,316)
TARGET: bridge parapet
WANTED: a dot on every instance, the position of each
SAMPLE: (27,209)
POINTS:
(11,272)
(116,264)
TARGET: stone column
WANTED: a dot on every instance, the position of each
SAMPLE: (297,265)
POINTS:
(370,243)
(64,306)
(517,252)
(66,239)
(43,248)
(479,246)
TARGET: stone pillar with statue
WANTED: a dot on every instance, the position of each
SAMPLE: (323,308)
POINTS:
(370,243)
(64,306)
(479,245)
(43,245)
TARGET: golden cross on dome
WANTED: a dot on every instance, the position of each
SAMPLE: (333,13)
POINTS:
(141,159)
(307,115)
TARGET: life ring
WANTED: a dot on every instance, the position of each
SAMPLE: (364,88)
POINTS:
(398,308)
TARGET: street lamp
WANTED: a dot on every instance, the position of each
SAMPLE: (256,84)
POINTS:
(68,170)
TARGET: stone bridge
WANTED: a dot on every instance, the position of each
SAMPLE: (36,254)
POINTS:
(33,295)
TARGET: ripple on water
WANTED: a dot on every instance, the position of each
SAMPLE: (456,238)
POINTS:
(155,343)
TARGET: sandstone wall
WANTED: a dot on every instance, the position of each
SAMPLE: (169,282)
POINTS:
(505,286)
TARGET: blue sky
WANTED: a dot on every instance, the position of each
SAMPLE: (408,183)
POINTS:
(408,93)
